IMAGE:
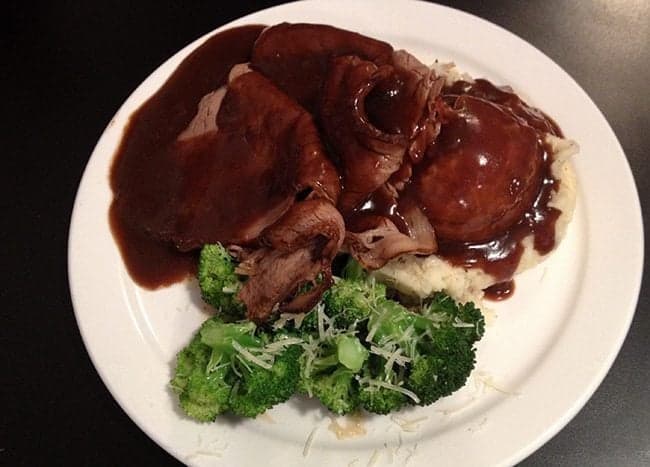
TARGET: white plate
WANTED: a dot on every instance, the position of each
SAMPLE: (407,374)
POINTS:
(541,359)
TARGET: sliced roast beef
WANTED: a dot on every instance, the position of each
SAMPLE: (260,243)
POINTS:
(367,155)
(387,229)
(262,151)
(292,269)
(372,116)
(296,56)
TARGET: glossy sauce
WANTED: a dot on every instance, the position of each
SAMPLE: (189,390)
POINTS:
(387,105)
(500,291)
(145,172)
(150,169)
(498,255)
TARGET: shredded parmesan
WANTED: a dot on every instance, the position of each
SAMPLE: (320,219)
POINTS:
(230,288)
(249,356)
(286,317)
(487,381)
(320,314)
(279,346)
(411,454)
(372,331)
(461,407)
(308,442)
(393,387)
(390,356)
(408,425)
(376,454)
(203,453)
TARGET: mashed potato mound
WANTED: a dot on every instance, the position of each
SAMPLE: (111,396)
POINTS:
(419,277)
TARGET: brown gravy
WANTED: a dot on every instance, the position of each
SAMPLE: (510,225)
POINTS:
(500,291)
(500,254)
(142,169)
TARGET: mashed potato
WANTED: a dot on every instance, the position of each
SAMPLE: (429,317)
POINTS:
(420,277)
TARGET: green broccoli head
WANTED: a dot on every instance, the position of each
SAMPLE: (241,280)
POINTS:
(441,371)
(437,343)
(354,271)
(235,367)
(330,362)
(352,301)
(338,390)
(441,308)
(260,388)
(392,324)
(381,400)
(218,282)
(203,391)
(380,386)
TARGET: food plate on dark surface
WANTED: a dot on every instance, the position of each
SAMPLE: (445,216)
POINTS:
(545,349)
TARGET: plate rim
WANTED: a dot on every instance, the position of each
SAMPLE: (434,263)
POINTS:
(587,392)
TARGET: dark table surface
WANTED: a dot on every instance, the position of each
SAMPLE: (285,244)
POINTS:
(67,68)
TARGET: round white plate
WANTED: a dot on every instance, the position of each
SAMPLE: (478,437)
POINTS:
(541,358)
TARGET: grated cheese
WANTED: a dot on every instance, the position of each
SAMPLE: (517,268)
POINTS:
(308,442)
(393,387)
(374,458)
(249,356)
(408,425)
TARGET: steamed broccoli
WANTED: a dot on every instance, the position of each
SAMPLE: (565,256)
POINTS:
(218,281)
(351,301)
(442,369)
(228,367)
(357,349)
(338,390)
(354,271)
(442,308)
(331,360)
(202,394)
(380,391)
(260,388)
(433,351)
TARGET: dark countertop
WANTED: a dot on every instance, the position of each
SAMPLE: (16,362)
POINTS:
(71,65)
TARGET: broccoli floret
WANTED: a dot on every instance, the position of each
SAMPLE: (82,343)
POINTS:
(309,324)
(442,308)
(381,400)
(442,372)
(203,392)
(378,392)
(393,324)
(227,367)
(202,395)
(329,366)
(260,389)
(352,301)
(218,282)
(338,391)
(354,271)
(438,345)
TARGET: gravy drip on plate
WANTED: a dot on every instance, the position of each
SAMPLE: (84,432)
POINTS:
(500,291)
(145,172)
